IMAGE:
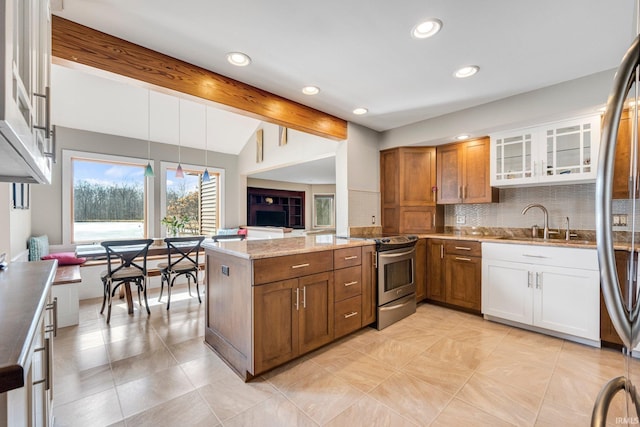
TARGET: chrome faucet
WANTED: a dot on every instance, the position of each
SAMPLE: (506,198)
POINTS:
(546,217)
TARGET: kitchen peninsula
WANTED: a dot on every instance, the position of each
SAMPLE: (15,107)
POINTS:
(270,301)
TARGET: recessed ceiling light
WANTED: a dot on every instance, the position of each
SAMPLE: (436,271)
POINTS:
(238,58)
(461,137)
(466,71)
(310,90)
(426,29)
(360,111)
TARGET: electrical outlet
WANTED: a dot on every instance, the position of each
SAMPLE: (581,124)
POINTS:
(619,220)
(373,219)
(461,219)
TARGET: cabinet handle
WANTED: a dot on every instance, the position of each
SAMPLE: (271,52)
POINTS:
(47,113)
(534,256)
(529,273)
(297,299)
(459,191)
(353,313)
(538,280)
(304,297)
(300,265)
(355,282)
(441,251)
(465,191)
(47,360)
(462,259)
(462,248)
(347,258)
(53,306)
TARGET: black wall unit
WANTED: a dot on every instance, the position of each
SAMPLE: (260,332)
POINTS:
(278,208)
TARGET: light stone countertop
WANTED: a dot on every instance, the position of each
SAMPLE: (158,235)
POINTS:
(268,248)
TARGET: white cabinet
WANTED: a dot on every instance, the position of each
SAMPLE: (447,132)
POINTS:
(558,152)
(25,128)
(552,288)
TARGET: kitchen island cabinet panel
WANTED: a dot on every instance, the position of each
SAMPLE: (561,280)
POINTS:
(348,283)
(316,311)
(268,270)
(257,326)
(275,324)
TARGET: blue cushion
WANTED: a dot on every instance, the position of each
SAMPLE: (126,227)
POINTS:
(38,247)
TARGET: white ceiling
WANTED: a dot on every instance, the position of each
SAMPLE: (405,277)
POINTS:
(360,52)
(322,171)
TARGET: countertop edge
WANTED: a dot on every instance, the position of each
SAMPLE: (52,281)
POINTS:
(270,250)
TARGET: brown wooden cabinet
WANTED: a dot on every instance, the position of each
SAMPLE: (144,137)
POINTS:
(435,270)
(369,285)
(421,270)
(347,290)
(407,184)
(455,273)
(608,333)
(292,317)
(622,158)
(463,173)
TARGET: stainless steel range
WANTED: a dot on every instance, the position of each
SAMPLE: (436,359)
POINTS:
(396,258)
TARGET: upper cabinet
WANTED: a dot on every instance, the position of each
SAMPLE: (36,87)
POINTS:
(25,126)
(407,188)
(560,152)
(463,173)
(622,178)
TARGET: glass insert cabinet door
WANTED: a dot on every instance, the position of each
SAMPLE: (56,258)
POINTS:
(569,151)
(563,151)
(513,158)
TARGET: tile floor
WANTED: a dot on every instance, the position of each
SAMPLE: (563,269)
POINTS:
(436,368)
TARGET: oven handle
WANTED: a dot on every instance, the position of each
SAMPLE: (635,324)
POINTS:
(394,255)
(395,307)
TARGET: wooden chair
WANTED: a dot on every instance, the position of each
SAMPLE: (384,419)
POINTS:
(126,263)
(182,260)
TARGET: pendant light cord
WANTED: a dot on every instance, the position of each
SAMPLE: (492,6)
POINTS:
(206,138)
(179,135)
(149,125)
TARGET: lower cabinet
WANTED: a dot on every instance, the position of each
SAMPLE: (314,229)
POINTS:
(608,332)
(552,288)
(421,270)
(454,273)
(292,317)
(32,404)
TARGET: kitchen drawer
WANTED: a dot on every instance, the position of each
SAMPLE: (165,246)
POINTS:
(584,259)
(463,247)
(347,282)
(347,257)
(267,270)
(348,316)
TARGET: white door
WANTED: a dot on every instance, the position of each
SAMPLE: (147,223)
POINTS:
(507,289)
(567,300)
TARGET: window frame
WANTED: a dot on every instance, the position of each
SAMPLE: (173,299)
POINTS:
(165,165)
(67,185)
(333,211)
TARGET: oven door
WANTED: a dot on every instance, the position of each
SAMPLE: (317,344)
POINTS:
(396,271)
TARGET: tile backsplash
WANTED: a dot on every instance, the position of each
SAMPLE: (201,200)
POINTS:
(576,201)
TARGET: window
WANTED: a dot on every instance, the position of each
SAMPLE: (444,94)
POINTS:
(190,200)
(106,198)
(323,211)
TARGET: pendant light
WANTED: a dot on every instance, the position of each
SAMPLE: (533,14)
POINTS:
(179,172)
(148,171)
(205,175)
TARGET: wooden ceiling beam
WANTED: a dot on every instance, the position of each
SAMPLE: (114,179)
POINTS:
(75,43)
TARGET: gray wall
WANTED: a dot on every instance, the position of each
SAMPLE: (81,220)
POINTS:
(46,200)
